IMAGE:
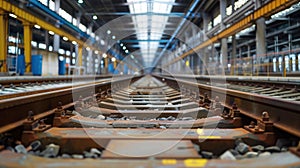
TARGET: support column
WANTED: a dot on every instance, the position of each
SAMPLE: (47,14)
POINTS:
(233,56)
(106,65)
(3,40)
(204,51)
(27,44)
(260,38)
(56,39)
(224,46)
(79,58)
(250,60)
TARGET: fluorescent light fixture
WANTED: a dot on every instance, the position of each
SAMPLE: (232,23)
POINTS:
(121,44)
(80,1)
(108,32)
(104,55)
(13,15)
(74,42)
(113,59)
(65,38)
(95,17)
(51,32)
(113,37)
(124,47)
(126,51)
(37,26)
(102,42)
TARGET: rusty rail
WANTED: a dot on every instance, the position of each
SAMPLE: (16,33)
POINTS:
(43,104)
(284,114)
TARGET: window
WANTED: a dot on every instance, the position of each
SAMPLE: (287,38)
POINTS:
(280,64)
(293,57)
(274,64)
(287,63)
(42,46)
(82,27)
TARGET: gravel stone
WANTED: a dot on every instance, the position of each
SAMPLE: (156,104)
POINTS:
(21,149)
(207,155)
(273,149)
(264,154)
(227,156)
(242,148)
(258,148)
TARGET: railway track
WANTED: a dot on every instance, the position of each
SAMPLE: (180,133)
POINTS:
(149,122)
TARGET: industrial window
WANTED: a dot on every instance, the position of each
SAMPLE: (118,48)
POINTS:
(61,51)
(51,5)
(68,60)
(287,63)
(68,53)
(82,27)
(298,61)
(274,64)
(33,43)
(65,15)
(239,4)
(293,58)
(280,64)
(44,2)
(42,46)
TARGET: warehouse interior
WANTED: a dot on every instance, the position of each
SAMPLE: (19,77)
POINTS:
(150,83)
(231,37)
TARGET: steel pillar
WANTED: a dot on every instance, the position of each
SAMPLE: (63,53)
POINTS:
(27,44)
(3,40)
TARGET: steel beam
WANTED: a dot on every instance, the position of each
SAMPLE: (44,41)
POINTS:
(27,44)
(3,39)
(265,10)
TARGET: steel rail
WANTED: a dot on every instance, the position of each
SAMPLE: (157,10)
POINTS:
(15,110)
(284,114)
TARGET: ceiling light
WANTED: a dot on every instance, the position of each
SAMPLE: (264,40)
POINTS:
(88,48)
(13,15)
(113,37)
(126,51)
(113,59)
(51,32)
(108,32)
(96,52)
(121,44)
(37,26)
(102,42)
(95,17)
(104,55)
(124,47)
(80,1)
(65,38)
(74,42)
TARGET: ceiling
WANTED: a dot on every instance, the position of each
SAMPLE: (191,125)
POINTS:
(145,28)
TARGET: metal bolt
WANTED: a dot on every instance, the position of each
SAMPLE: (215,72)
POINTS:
(252,124)
(30,116)
(59,105)
(256,128)
(265,116)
